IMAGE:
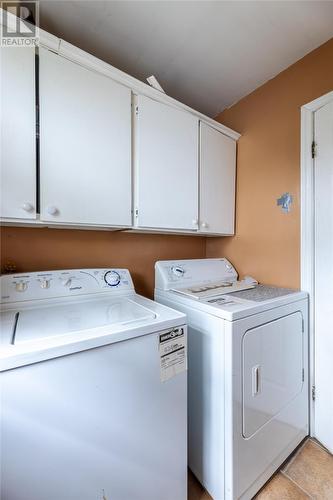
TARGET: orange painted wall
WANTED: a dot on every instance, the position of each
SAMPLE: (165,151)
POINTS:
(267,241)
(33,249)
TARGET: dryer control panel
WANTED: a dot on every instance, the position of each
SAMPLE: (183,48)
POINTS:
(184,273)
(53,284)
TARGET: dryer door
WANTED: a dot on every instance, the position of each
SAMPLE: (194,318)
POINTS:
(272,369)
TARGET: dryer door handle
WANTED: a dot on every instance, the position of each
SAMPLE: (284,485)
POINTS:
(256,380)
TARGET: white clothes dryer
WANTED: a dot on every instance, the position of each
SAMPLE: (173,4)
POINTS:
(248,372)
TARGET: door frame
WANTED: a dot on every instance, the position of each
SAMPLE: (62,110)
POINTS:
(308,229)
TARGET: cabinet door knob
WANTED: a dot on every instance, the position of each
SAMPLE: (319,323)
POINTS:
(27,207)
(52,210)
(204,225)
(195,222)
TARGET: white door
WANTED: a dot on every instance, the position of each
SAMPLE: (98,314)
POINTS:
(85,145)
(217,181)
(18,133)
(324,275)
(166,166)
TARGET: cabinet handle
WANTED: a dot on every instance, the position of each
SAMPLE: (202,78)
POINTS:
(204,225)
(27,207)
(195,222)
(52,210)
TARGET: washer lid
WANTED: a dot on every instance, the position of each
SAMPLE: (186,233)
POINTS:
(38,331)
(54,320)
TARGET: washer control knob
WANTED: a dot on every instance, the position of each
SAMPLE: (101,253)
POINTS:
(112,278)
(178,271)
(21,286)
(66,282)
(45,283)
(27,207)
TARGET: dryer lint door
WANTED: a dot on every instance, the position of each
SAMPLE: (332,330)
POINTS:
(272,370)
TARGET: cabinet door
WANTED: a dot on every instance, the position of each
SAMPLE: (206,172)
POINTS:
(217,181)
(85,145)
(167,166)
(18,136)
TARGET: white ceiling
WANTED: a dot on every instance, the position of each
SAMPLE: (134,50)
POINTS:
(207,54)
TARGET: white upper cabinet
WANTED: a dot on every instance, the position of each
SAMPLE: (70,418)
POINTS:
(90,139)
(18,133)
(85,145)
(166,158)
(217,181)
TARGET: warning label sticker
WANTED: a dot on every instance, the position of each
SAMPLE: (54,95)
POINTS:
(173,356)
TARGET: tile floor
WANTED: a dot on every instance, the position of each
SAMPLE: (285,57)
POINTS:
(308,474)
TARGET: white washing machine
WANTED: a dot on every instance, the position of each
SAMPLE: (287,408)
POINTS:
(93,390)
(248,372)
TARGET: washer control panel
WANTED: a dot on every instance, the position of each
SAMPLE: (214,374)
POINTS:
(52,284)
